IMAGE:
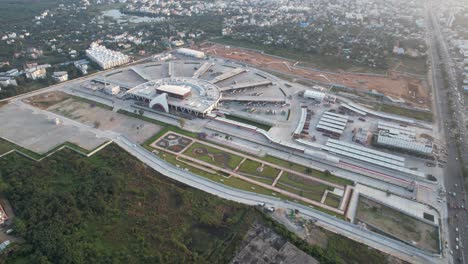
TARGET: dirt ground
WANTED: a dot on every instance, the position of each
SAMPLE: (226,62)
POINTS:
(411,89)
(135,129)
(45,100)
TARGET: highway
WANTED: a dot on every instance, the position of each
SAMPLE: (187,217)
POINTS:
(457,217)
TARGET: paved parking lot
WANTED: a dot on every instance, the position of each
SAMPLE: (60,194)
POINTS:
(40,134)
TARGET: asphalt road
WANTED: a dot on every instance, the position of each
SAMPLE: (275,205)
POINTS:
(453,177)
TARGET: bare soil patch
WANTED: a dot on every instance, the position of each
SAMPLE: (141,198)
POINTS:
(413,90)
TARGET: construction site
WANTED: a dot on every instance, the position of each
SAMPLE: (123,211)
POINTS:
(407,89)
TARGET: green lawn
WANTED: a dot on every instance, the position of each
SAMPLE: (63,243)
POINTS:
(306,170)
(5,146)
(250,167)
(214,156)
(248,122)
(333,200)
(229,181)
(302,186)
(424,116)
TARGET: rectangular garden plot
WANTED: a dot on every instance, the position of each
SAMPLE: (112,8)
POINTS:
(258,171)
(213,156)
(301,186)
(173,142)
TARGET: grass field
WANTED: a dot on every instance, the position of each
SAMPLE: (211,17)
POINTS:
(5,146)
(333,200)
(397,224)
(229,181)
(214,156)
(424,116)
(258,172)
(407,64)
(309,171)
(248,122)
(302,186)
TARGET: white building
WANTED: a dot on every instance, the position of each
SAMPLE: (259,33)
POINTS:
(310,94)
(112,89)
(38,72)
(82,66)
(191,53)
(60,76)
(106,58)
(6,81)
(393,135)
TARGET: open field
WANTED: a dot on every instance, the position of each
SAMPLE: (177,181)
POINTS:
(258,171)
(46,100)
(407,64)
(40,134)
(101,118)
(397,224)
(413,90)
(213,155)
(301,186)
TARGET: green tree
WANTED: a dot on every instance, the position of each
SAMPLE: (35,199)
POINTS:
(181,122)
